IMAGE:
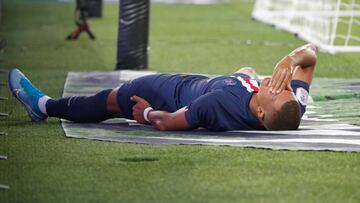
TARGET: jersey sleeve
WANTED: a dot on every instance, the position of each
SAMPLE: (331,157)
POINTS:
(206,111)
(301,91)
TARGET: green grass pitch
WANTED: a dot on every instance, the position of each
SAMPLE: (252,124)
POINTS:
(44,166)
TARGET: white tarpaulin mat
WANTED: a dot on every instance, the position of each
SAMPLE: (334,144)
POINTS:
(318,131)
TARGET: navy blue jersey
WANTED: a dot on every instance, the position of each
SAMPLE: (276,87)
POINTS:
(223,103)
(219,103)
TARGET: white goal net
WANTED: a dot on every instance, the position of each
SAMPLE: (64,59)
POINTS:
(332,25)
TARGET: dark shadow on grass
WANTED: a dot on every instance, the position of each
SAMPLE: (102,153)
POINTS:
(139,159)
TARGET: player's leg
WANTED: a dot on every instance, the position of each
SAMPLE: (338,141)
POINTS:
(76,108)
(81,109)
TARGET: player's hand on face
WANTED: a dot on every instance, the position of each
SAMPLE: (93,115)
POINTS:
(281,78)
(138,109)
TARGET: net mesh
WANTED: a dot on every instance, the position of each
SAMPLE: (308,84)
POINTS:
(333,25)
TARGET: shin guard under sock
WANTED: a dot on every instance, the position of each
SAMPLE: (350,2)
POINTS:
(81,109)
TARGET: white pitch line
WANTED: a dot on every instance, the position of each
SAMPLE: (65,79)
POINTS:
(340,126)
(5,187)
(326,116)
(313,107)
(317,119)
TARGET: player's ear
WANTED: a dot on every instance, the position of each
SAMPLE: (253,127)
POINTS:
(260,113)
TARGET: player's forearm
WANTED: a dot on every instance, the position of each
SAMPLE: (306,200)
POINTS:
(159,119)
(304,56)
(163,120)
(299,65)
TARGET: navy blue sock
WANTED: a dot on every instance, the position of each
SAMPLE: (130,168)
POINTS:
(81,109)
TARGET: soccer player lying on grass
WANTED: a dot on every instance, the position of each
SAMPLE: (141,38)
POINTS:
(184,102)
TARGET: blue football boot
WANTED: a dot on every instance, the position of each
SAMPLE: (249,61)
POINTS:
(26,93)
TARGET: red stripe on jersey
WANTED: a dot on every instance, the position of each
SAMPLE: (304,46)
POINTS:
(255,88)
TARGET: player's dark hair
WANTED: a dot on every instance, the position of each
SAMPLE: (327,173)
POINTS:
(287,118)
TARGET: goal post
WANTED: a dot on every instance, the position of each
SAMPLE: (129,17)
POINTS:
(133,34)
(332,25)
